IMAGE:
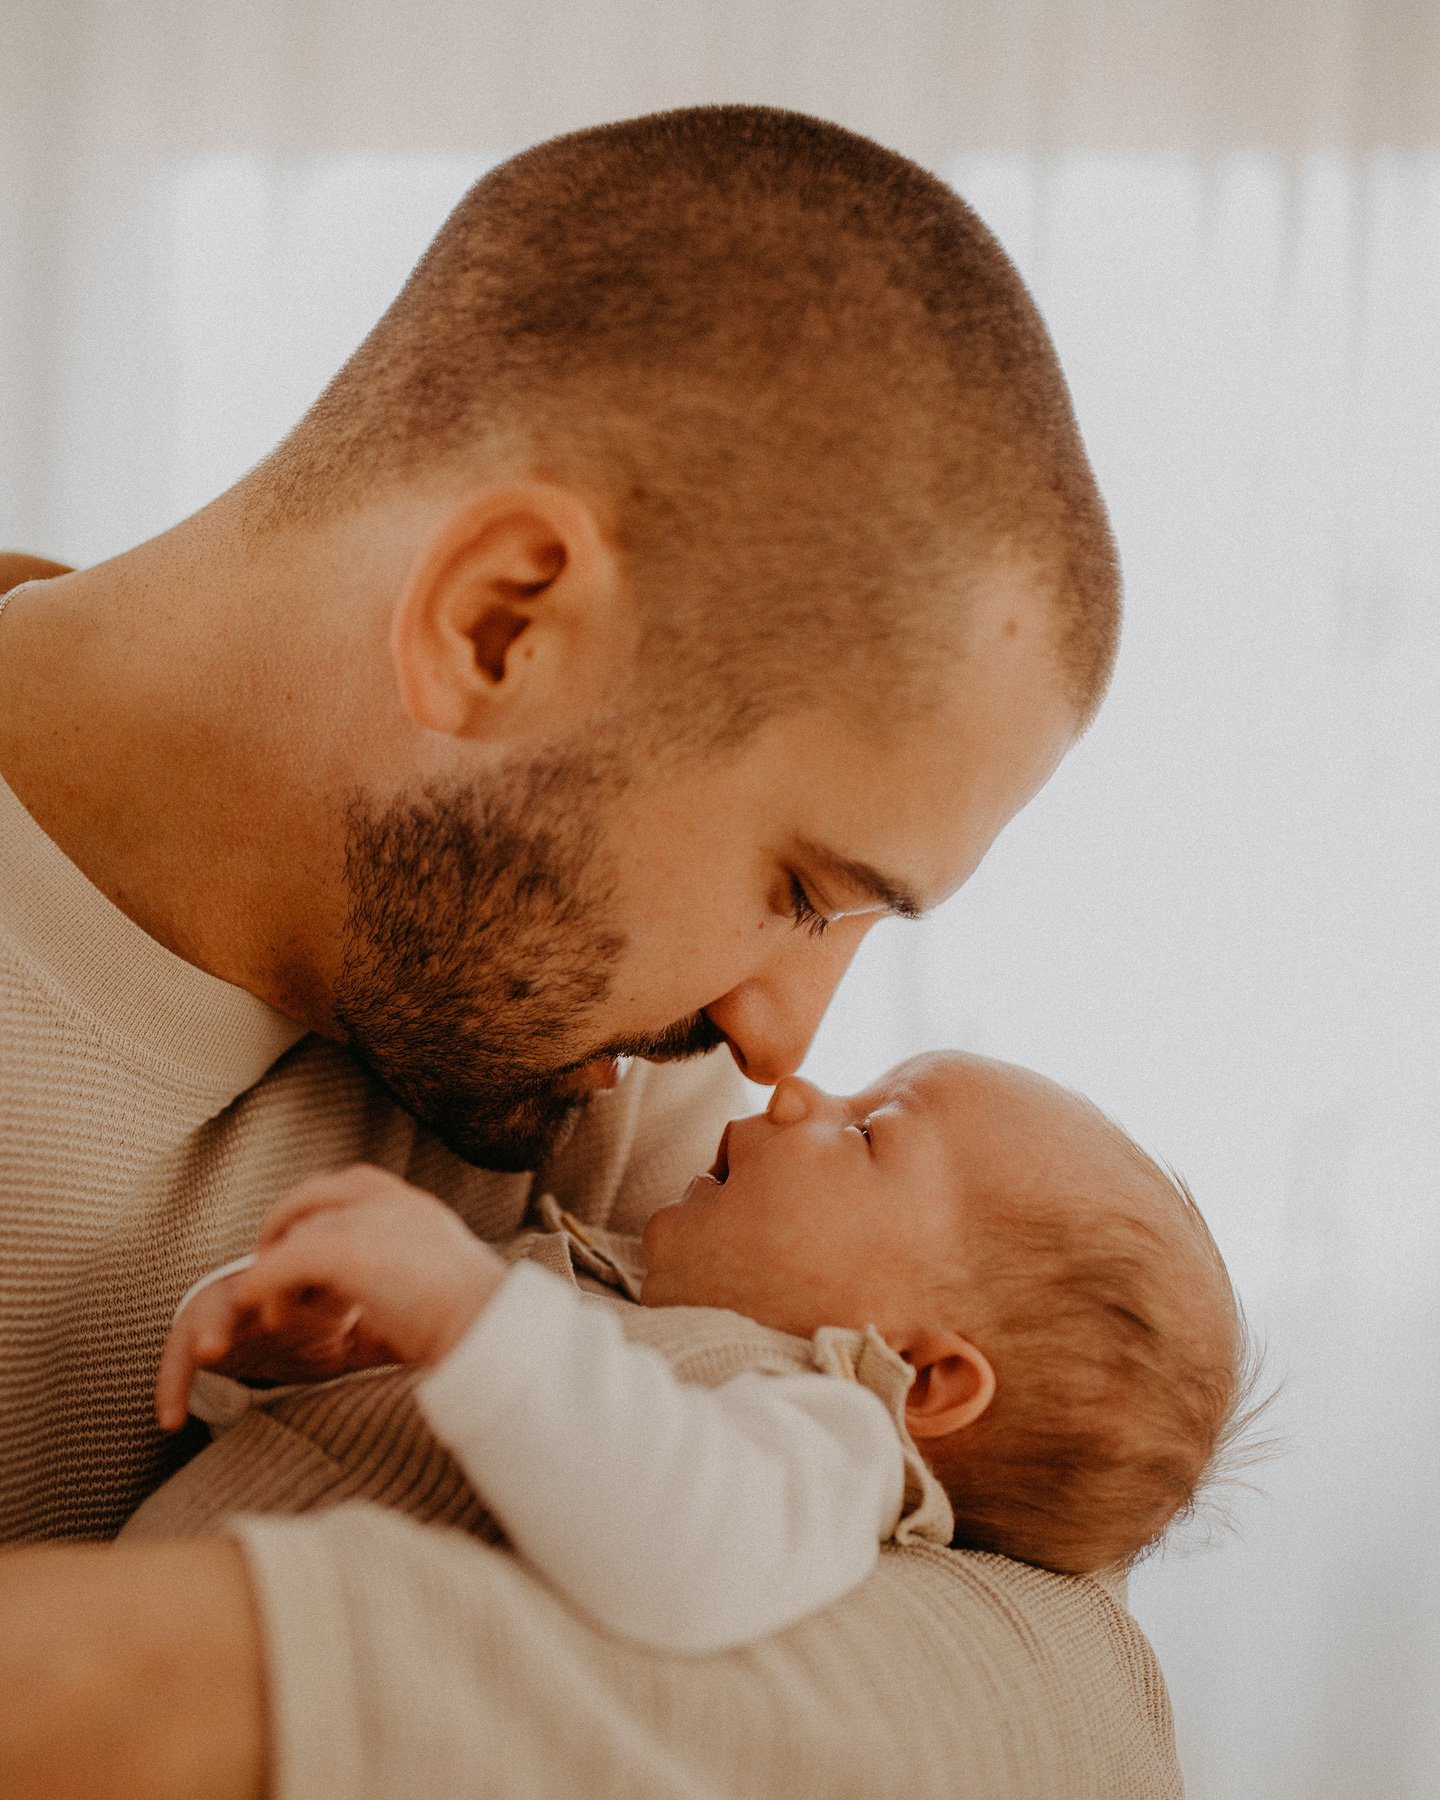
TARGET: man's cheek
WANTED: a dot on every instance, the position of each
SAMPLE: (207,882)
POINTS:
(674,967)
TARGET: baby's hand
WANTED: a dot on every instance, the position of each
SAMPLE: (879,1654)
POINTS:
(352,1270)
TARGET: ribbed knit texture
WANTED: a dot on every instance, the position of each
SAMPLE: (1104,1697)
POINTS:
(363,1436)
(408,1659)
(416,1660)
(149,1115)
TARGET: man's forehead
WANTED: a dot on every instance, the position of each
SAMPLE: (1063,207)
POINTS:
(903,820)
(884,833)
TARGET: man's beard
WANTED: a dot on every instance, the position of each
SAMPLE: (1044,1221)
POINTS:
(479,944)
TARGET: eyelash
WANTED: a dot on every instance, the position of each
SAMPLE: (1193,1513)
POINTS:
(803,910)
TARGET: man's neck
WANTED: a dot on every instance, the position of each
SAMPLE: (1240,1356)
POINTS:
(183,723)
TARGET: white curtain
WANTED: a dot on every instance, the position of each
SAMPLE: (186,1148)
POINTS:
(1221,918)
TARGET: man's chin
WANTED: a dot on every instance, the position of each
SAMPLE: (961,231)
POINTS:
(510,1140)
(514,1145)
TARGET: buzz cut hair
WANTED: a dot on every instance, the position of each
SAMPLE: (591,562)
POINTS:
(808,383)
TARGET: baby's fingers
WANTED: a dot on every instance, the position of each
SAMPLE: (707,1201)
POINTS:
(202,1334)
(332,1192)
(292,1292)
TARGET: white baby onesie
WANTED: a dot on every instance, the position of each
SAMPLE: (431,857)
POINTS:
(686,1518)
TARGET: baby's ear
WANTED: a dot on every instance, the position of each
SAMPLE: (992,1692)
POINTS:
(954,1383)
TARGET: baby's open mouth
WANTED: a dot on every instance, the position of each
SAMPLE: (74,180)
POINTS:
(720,1168)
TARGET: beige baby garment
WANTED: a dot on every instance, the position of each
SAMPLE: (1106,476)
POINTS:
(406,1658)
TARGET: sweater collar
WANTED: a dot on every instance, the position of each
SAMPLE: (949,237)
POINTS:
(140,996)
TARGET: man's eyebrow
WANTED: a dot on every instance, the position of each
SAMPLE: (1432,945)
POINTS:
(895,896)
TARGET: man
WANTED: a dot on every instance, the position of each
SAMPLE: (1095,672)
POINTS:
(697,563)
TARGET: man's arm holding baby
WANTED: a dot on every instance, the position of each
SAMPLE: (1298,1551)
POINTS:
(129,1671)
(701,1518)
(141,1670)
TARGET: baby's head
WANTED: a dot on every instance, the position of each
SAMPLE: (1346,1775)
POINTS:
(1079,1349)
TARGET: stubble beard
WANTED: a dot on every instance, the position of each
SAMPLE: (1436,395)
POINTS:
(479,949)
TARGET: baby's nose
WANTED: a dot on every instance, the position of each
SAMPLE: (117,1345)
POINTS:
(793,1100)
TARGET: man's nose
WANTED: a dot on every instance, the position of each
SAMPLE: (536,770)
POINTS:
(770,1018)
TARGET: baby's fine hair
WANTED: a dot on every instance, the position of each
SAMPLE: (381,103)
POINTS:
(1123,1367)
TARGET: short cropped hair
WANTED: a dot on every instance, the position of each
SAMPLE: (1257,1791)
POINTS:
(1122,1373)
(805,376)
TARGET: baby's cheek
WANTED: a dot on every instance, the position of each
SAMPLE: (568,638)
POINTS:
(653,1239)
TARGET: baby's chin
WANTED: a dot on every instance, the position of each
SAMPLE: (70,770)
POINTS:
(653,1239)
(653,1234)
(671,1277)
(662,1223)
(663,1287)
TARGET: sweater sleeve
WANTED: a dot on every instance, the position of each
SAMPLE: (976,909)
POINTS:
(685,1518)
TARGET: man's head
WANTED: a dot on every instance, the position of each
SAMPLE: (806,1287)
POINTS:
(1079,1353)
(745,448)
(502,947)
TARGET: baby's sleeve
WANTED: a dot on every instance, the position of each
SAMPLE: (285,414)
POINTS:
(686,1518)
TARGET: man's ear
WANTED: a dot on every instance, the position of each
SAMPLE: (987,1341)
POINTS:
(954,1383)
(515,616)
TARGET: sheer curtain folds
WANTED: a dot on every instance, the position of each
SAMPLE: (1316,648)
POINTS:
(1221,918)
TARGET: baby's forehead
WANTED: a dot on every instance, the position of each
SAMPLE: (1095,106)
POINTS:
(947,1100)
(932,1073)
(1001,1124)
(959,1083)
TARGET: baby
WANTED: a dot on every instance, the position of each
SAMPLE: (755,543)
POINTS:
(1054,1314)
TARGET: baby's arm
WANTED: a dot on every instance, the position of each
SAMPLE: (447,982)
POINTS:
(688,1518)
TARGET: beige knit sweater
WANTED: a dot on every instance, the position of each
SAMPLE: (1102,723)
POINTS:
(148,1115)
(418,1657)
